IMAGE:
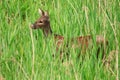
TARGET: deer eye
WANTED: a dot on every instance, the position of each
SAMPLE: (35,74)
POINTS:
(40,21)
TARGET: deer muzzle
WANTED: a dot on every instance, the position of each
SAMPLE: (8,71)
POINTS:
(32,26)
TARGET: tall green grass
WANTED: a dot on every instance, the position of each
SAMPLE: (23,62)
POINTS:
(24,53)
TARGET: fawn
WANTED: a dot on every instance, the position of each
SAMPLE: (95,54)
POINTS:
(84,41)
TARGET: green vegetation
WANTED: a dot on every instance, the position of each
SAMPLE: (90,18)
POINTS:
(24,54)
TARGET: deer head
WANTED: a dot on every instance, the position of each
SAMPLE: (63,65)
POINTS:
(43,23)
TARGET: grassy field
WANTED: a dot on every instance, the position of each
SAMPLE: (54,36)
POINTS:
(24,55)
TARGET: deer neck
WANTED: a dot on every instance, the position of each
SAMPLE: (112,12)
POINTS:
(47,31)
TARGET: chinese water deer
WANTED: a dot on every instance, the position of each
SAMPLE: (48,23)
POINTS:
(83,42)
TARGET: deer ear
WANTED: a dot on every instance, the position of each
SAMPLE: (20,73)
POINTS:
(46,13)
(41,12)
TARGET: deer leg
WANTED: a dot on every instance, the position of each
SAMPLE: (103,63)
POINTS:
(98,51)
(101,52)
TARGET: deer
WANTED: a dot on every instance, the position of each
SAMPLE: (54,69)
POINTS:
(82,42)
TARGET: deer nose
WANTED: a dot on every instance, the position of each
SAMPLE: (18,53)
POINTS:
(32,26)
